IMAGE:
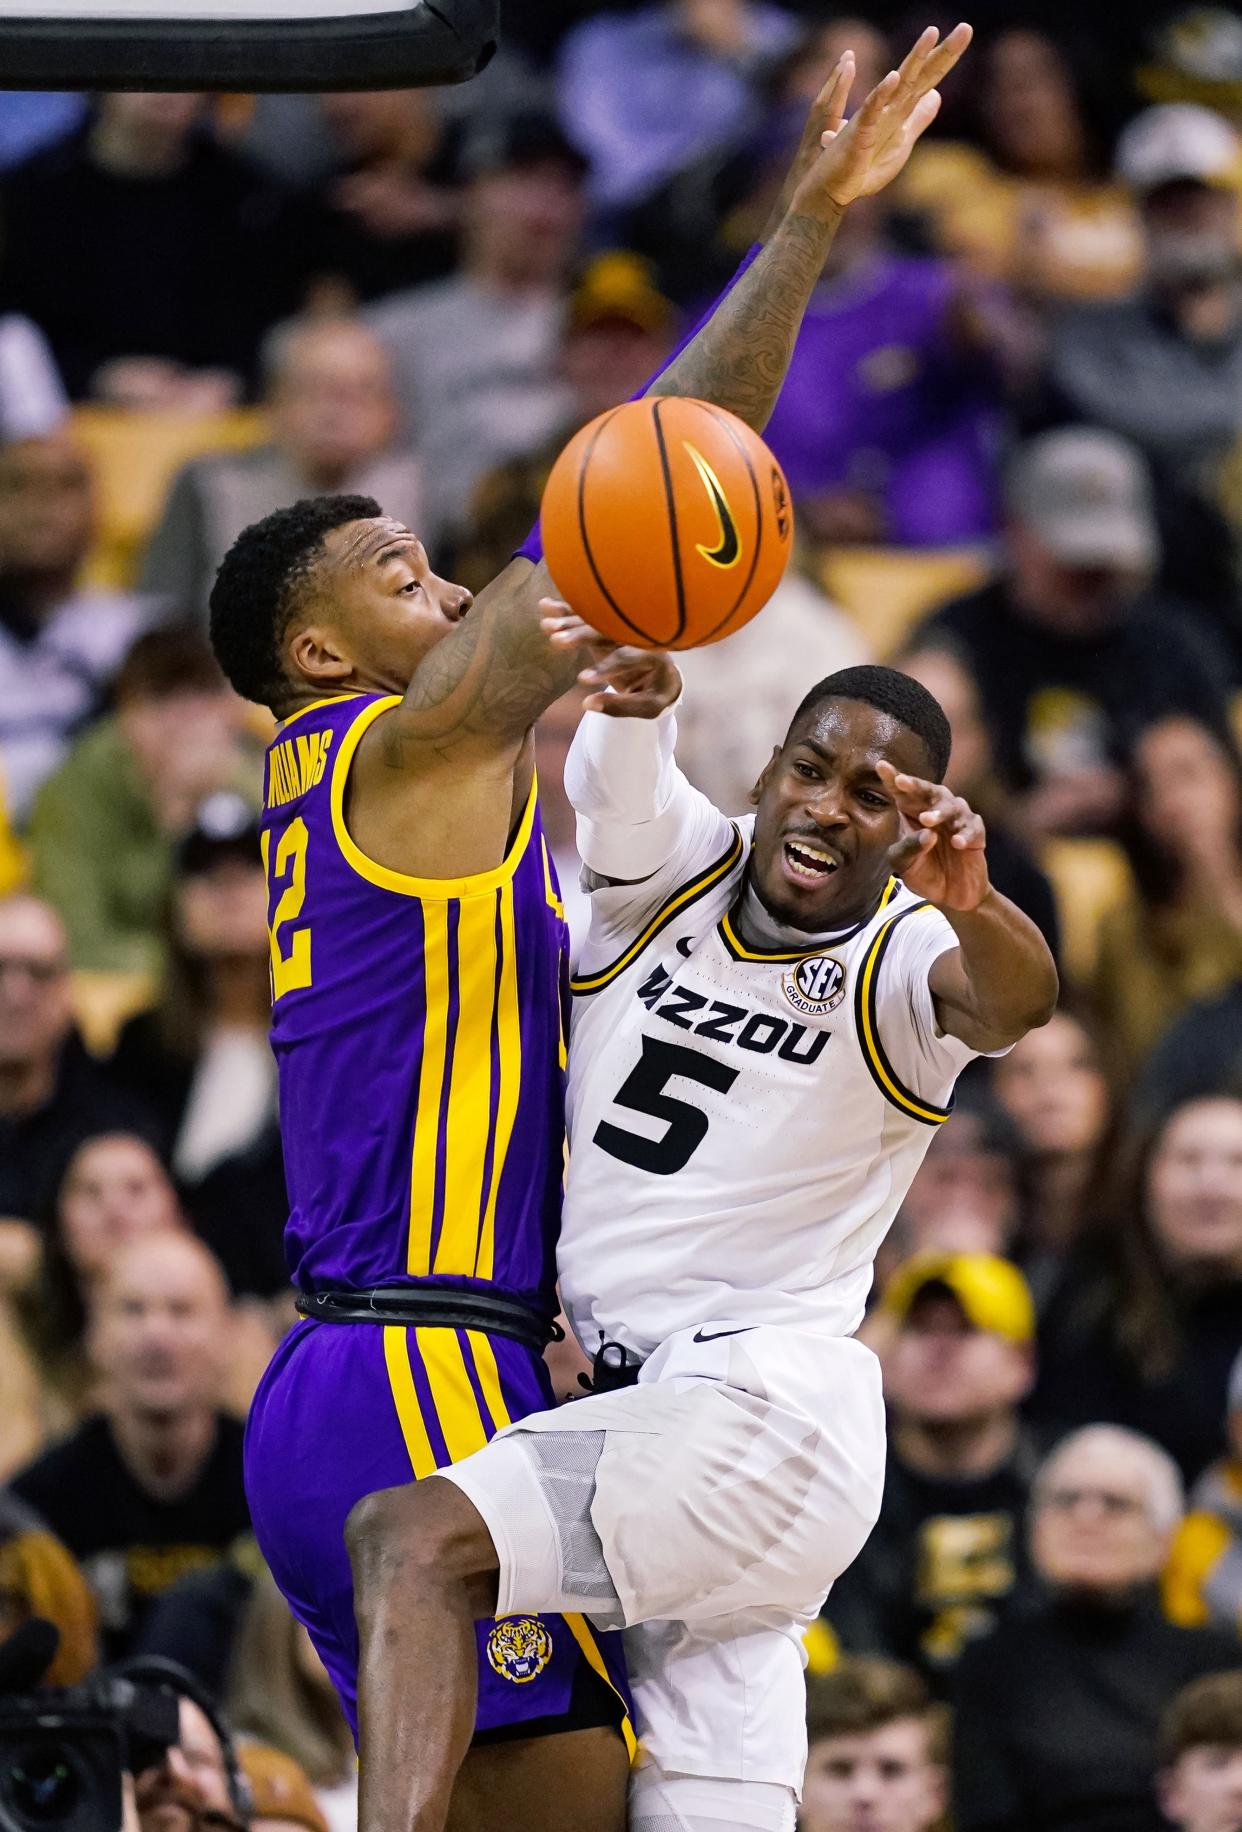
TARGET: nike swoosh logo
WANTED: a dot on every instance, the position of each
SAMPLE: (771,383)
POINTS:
(728,546)
(717,1333)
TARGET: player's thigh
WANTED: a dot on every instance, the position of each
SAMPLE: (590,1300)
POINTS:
(575,1782)
(745,1504)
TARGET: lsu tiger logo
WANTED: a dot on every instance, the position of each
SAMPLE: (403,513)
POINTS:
(519,1648)
(815,986)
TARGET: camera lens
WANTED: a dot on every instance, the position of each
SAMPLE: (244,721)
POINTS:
(42,1785)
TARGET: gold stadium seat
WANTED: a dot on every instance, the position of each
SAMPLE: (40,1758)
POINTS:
(136,456)
(888,590)
(103,1002)
(1089,877)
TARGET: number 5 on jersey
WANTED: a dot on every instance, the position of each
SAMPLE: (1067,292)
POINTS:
(291,954)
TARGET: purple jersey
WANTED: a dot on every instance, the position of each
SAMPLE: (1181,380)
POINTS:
(418,1027)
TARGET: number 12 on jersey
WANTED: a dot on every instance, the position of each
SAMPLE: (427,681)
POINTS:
(291,955)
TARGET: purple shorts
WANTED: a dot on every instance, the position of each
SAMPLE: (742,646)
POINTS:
(345,1409)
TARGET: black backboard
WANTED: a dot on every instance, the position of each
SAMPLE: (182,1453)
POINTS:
(243,44)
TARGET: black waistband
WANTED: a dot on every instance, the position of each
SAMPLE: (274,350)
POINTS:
(428,1309)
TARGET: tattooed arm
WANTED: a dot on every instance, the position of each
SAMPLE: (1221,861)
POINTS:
(479,691)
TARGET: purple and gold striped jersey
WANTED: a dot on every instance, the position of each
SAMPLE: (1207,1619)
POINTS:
(418,1026)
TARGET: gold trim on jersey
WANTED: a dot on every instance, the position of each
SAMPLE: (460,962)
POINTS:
(672,906)
(479,963)
(437,889)
(740,952)
(867,1025)
(331,699)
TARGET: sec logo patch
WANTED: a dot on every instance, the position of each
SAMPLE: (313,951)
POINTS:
(815,986)
(519,1648)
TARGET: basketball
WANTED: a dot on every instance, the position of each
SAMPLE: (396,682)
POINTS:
(667,523)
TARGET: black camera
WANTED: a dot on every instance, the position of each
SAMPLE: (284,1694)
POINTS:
(63,1754)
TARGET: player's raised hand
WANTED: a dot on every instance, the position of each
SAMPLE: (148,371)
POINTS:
(860,156)
(941,855)
(643,681)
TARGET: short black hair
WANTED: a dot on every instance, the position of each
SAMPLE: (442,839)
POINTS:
(901,697)
(257,587)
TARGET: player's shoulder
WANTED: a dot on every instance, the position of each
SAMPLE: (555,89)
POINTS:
(690,890)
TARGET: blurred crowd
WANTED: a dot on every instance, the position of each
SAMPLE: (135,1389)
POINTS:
(1013,430)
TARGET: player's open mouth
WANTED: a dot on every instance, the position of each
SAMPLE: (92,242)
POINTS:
(807,863)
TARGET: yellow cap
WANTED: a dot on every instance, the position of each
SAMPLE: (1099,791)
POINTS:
(620,285)
(991,1291)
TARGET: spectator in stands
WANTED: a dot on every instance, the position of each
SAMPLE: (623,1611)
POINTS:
(39,1577)
(1031,202)
(888,422)
(30,119)
(198,1783)
(1073,652)
(1056,1712)
(161,1464)
(947,1555)
(1165,367)
(391,204)
(334,417)
(200,1060)
(877,1760)
(972,773)
(60,642)
(750,672)
(153,258)
(1200,1053)
(52,1094)
(618,331)
(1149,1320)
(1057,1093)
(107,822)
(281,1796)
(280,1694)
(476,356)
(114,1191)
(968,1194)
(643,93)
(1203,1579)
(1200,1781)
(1178,936)
(698,223)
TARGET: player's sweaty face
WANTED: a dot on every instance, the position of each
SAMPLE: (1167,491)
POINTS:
(826,824)
(391,607)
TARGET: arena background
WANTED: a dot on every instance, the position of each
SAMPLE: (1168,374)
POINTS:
(1013,430)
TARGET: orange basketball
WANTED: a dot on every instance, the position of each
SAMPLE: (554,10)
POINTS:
(666,523)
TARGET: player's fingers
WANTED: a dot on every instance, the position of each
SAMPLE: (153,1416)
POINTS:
(865,123)
(912,64)
(627,705)
(906,850)
(917,123)
(833,98)
(911,792)
(947,54)
(970,836)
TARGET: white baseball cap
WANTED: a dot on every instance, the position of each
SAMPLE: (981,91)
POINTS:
(1178,140)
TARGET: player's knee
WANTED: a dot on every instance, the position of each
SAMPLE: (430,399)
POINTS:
(424,1532)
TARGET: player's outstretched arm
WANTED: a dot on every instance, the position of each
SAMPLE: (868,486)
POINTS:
(486,684)
(1000,981)
(740,357)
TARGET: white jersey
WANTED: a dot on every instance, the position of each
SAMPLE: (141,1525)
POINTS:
(743,1125)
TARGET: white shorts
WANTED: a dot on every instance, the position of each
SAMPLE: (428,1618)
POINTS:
(714,1503)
